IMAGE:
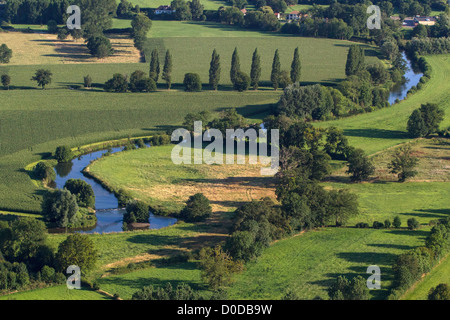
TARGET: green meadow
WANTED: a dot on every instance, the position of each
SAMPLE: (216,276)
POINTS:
(56,293)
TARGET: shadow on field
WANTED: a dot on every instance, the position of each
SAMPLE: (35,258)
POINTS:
(376,133)
(442,212)
(391,246)
(425,214)
(367,258)
(413,233)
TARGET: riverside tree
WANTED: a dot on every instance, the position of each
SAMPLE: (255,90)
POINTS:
(276,70)
(255,72)
(214,70)
(60,207)
(82,191)
(197,208)
(79,250)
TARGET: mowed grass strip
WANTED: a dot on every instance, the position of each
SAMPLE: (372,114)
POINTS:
(308,264)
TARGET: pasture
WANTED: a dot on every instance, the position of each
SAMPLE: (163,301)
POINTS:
(208,4)
(56,293)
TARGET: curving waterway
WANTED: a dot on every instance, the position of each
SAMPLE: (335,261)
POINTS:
(412,77)
(109,216)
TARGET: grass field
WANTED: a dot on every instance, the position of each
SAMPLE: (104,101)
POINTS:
(208,4)
(56,293)
(440,274)
(308,264)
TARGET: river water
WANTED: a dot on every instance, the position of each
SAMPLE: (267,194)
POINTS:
(412,77)
(109,216)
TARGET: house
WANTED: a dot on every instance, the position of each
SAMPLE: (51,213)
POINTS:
(164,10)
(409,23)
(294,15)
(278,15)
(244,11)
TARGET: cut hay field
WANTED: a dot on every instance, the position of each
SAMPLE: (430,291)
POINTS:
(41,48)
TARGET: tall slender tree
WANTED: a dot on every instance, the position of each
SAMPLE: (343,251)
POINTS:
(355,60)
(214,70)
(235,66)
(276,70)
(154,66)
(296,67)
(167,70)
(255,72)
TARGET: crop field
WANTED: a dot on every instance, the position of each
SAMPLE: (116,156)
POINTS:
(308,264)
(208,4)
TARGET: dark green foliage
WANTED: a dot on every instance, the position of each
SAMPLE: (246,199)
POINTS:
(182,292)
(167,70)
(342,206)
(63,154)
(355,60)
(197,208)
(235,66)
(440,292)
(139,82)
(413,223)
(359,165)
(276,70)
(140,25)
(63,34)
(192,82)
(52,26)
(87,81)
(403,163)
(255,72)
(77,250)
(229,119)
(362,225)
(100,46)
(214,70)
(182,10)
(190,118)
(124,9)
(118,83)
(296,67)
(43,77)
(377,225)
(13,276)
(425,121)
(155,68)
(397,222)
(196,9)
(336,144)
(6,80)
(5,53)
(409,267)
(284,80)
(241,81)
(60,208)
(140,144)
(44,171)
(160,140)
(387,223)
(83,191)
(344,289)
(136,211)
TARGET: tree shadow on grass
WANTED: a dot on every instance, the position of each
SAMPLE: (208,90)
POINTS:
(413,233)
(376,133)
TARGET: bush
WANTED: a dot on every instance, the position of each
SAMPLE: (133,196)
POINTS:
(441,292)
(160,140)
(397,222)
(241,82)
(87,80)
(377,225)
(63,154)
(137,211)
(118,83)
(192,82)
(60,207)
(197,208)
(413,223)
(362,225)
(100,46)
(79,250)
(44,171)
(83,191)
(387,223)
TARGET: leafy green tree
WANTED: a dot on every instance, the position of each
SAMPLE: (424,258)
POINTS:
(440,292)
(137,211)
(118,83)
(43,77)
(6,80)
(87,81)
(355,60)
(218,267)
(190,118)
(412,223)
(197,208)
(359,165)
(100,46)
(60,207)
(52,26)
(416,125)
(83,191)
(296,67)
(342,206)
(5,53)
(196,9)
(62,34)
(276,70)
(403,163)
(397,222)
(44,171)
(389,49)
(140,26)
(235,66)
(336,144)
(241,82)
(214,70)
(78,250)
(154,66)
(97,16)
(344,289)
(255,72)
(124,9)
(284,79)
(167,70)
(432,116)
(63,154)
(192,82)
(182,10)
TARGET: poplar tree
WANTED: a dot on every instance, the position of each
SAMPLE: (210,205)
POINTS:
(167,70)
(255,72)
(214,70)
(154,66)
(276,70)
(296,67)
(235,66)
(355,60)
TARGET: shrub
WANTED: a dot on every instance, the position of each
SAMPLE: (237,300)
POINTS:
(87,80)
(160,140)
(387,223)
(241,81)
(63,154)
(60,207)
(197,208)
(413,223)
(192,82)
(83,191)
(79,250)
(100,46)
(441,292)
(44,171)
(118,83)
(397,222)
(377,225)
(362,225)
(136,211)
